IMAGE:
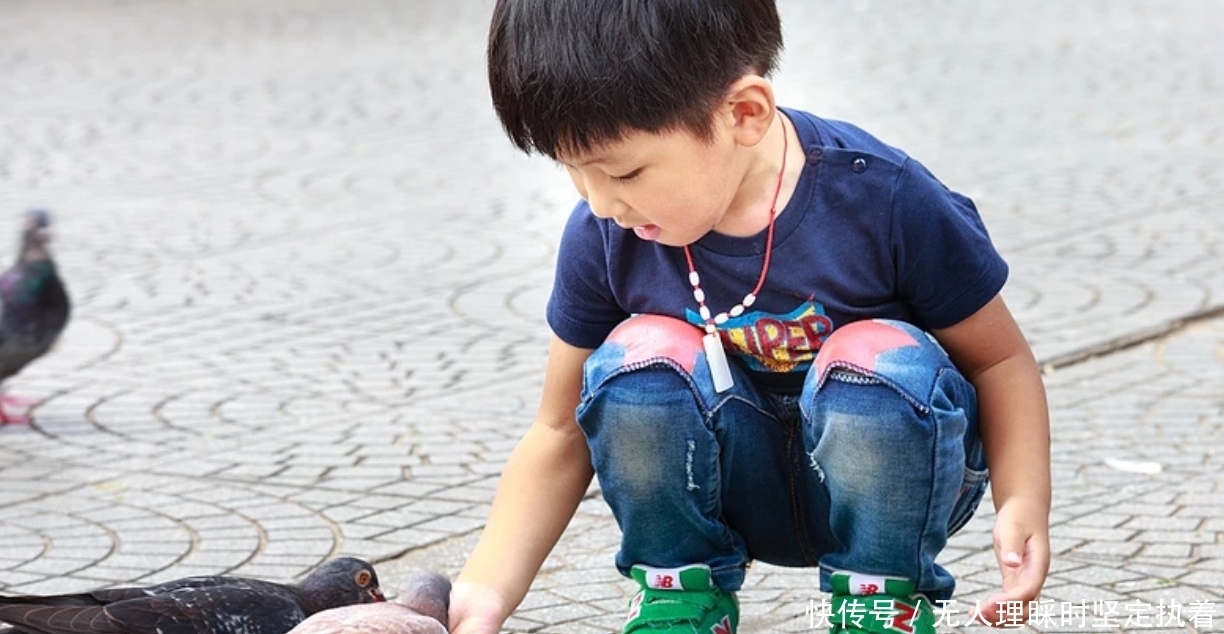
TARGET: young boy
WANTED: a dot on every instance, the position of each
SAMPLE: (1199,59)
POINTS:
(750,315)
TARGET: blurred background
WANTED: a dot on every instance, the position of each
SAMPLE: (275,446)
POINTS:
(308,276)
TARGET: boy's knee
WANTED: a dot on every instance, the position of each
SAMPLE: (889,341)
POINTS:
(647,338)
(641,375)
(895,353)
(640,412)
(858,346)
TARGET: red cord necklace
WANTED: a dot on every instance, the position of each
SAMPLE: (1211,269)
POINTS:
(716,357)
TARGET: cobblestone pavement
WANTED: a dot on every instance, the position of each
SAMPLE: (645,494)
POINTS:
(309,274)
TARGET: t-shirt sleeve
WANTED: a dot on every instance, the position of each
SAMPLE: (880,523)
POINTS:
(582,308)
(946,266)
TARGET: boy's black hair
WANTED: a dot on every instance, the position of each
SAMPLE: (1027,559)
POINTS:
(570,75)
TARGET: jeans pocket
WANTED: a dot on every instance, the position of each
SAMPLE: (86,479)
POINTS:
(973,487)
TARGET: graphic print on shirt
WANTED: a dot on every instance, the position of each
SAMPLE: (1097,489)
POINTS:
(774,343)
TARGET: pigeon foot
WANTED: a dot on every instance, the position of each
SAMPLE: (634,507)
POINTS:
(9,418)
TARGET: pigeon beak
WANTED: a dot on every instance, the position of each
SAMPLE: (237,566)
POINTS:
(377,594)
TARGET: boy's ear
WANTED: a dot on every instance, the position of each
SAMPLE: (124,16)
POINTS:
(749,109)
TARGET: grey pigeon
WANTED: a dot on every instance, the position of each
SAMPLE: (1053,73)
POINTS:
(33,307)
(196,605)
(420,609)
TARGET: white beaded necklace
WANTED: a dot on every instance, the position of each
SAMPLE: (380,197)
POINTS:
(716,357)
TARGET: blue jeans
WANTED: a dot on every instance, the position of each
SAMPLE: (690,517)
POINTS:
(869,469)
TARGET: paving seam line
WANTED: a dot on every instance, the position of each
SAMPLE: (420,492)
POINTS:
(1130,339)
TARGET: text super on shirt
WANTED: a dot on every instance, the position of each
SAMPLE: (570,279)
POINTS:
(868,233)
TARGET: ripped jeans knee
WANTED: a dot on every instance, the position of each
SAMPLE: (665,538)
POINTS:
(646,412)
(640,400)
(891,427)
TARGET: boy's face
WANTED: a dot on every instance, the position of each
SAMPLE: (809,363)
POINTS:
(671,187)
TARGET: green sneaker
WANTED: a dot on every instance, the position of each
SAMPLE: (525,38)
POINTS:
(879,605)
(680,600)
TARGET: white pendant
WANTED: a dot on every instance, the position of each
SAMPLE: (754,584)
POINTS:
(716,357)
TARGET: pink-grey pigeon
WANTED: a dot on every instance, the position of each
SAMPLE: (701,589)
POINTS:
(420,609)
(196,605)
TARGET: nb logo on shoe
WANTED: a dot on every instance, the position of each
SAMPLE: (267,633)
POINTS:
(664,579)
(903,620)
(866,585)
(635,607)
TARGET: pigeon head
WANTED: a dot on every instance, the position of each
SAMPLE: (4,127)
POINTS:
(340,582)
(35,236)
(428,593)
(38,218)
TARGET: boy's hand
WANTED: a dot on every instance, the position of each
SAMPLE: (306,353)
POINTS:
(1022,548)
(476,609)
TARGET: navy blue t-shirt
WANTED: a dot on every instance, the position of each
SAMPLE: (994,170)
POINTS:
(868,233)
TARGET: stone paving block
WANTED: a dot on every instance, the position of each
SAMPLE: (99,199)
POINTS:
(393,461)
(13,578)
(1107,549)
(1201,499)
(227,524)
(153,548)
(250,471)
(246,541)
(366,531)
(298,522)
(1077,592)
(1206,579)
(1060,546)
(46,523)
(1101,576)
(1101,519)
(312,498)
(79,556)
(1188,537)
(1097,534)
(321,534)
(405,539)
(1181,551)
(396,518)
(345,514)
(1210,564)
(59,584)
(212,561)
(1151,510)
(53,565)
(453,524)
(99,544)
(297,547)
(299,475)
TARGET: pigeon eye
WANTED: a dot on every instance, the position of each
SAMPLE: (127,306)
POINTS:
(363,578)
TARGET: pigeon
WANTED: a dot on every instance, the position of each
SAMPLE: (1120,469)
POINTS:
(420,609)
(34,307)
(196,605)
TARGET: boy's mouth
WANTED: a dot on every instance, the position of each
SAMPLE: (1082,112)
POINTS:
(647,232)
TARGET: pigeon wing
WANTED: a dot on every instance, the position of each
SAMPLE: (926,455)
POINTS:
(222,609)
(199,583)
(58,619)
(107,596)
(82,599)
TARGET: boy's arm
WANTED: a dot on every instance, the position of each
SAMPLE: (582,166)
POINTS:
(542,483)
(992,353)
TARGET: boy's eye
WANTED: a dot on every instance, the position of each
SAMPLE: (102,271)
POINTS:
(628,177)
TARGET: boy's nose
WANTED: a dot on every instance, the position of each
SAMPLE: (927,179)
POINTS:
(605,206)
